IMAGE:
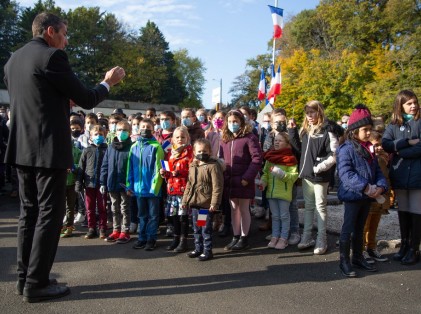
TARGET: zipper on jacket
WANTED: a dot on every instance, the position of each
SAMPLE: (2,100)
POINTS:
(305,154)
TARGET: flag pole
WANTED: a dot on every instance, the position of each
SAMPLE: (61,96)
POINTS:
(274,41)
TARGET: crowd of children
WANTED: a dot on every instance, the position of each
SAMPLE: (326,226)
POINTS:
(209,165)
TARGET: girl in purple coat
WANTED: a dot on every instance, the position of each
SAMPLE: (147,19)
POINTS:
(241,151)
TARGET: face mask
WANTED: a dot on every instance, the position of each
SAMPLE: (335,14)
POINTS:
(89,127)
(218,123)
(113,127)
(201,118)
(266,125)
(407,116)
(344,125)
(234,128)
(122,135)
(76,133)
(203,157)
(98,140)
(166,125)
(146,133)
(281,127)
(186,122)
(135,129)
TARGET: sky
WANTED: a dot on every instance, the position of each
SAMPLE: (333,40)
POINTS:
(224,34)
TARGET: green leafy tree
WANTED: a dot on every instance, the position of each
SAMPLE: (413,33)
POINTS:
(190,72)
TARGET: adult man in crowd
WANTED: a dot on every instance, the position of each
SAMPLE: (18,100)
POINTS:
(41,83)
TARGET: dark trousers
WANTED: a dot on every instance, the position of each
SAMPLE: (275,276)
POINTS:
(42,207)
(355,215)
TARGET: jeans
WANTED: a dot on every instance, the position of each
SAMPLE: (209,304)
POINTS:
(355,215)
(280,217)
(134,210)
(202,235)
(148,218)
(315,198)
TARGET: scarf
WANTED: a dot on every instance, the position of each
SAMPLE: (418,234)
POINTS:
(363,149)
(176,151)
(283,157)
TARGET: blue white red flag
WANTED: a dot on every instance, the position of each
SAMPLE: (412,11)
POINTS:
(201,218)
(165,165)
(278,21)
(275,84)
(261,94)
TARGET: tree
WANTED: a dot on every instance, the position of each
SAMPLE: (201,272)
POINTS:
(189,72)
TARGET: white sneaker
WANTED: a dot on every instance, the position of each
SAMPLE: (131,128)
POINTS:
(306,242)
(133,227)
(273,242)
(321,247)
(368,258)
(294,238)
(79,218)
(282,244)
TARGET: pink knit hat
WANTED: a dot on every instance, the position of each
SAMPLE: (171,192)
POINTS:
(359,117)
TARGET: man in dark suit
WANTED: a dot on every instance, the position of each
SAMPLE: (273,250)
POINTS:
(41,83)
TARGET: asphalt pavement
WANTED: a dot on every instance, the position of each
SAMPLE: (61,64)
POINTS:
(114,278)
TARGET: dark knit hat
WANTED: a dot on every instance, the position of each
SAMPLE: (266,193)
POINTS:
(359,117)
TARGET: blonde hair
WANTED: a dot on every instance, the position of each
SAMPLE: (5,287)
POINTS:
(124,123)
(313,129)
(184,131)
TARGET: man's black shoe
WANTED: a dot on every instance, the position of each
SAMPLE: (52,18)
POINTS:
(43,294)
(21,284)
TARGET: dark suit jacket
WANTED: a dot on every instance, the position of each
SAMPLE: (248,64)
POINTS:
(40,83)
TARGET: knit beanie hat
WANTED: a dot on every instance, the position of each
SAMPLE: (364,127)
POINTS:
(359,117)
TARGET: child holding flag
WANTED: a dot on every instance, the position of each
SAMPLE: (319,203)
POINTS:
(203,195)
(175,170)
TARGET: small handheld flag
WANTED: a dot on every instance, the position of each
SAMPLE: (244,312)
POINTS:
(165,165)
(278,21)
(262,87)
(201,218)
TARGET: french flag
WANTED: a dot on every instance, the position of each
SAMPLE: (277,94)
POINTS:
(201,218)
(261,94)
(166,165)
(278,21)
(275,84)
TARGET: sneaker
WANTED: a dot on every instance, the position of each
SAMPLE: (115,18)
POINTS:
(321,246)
(139,245)
(113,236)
(194,254)
(150,245)
(272,243)
(79,218)
(282,244)
(67,233)
(376,255)
(91,234)
(205,256)
(133,228)
(368,258)
(306,242)
(170,231)
(102,233)
(268,237)
(294,238)
(124,238)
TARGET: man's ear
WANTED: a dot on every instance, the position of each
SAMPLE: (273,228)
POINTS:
(50,31)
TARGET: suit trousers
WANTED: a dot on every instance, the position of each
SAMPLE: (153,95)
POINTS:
(42,194)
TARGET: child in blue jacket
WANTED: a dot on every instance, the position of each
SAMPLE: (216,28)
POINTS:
(144,181)
(361,182)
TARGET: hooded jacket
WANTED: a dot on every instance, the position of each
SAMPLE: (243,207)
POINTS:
(90,166)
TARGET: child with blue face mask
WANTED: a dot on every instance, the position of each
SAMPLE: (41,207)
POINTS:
(241,151)
(113,179)
(189,120)
(88,178)
(112,126)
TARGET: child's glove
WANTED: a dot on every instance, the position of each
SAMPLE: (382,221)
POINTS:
(370,190)
(102,189)
(277,172)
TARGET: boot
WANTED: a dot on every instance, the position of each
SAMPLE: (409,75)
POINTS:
(207,255)
(241,245)
(233,242)
(175,242)
(345,264)
(411,257)
(358,258)
(182,246)
(402,250)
